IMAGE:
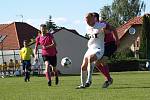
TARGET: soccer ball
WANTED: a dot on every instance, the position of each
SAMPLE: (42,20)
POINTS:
(66,62)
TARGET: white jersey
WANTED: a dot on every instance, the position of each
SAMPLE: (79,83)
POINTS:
(96,41)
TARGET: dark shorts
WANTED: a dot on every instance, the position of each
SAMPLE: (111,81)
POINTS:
(51,59)
(110,48)
(26,65)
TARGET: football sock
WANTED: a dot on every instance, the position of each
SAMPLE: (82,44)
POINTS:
(83,77)
(48,76)
(105,71)
(89,72)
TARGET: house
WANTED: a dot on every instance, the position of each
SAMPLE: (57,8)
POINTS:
(129,35)
(14,34)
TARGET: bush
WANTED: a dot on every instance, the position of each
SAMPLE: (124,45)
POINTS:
(127,65)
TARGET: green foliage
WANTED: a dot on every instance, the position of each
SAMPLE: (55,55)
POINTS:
(126,54)
(145,38)
(50,24)
(121,11)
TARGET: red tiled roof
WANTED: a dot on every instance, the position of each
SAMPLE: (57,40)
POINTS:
(123,28)
(16,32)
(3,26)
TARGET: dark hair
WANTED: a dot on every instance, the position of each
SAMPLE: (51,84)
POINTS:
(43,25)
(96,15)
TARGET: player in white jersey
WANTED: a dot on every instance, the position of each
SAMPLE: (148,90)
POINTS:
(95,46)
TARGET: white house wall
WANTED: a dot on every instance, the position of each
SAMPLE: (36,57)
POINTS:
(70,45)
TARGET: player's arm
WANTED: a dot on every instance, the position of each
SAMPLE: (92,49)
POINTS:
(20,53)
(115,34)
(32,52)
(102,28)
(36,46)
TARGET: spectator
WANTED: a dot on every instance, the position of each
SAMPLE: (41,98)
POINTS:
(11,67)
(36,66)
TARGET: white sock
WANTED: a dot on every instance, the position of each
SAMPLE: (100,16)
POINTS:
(90,71)
(83,77)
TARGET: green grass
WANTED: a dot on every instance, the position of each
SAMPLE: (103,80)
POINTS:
(126,86)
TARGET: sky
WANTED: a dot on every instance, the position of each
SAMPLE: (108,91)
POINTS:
(65,13)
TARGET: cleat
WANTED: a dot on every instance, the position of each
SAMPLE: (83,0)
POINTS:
(107,83)
(88,84)
(25,80)
(49,83)
(56,80)
(80,87)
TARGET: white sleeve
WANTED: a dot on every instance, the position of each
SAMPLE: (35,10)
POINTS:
(88,30)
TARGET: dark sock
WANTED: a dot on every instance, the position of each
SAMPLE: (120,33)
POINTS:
(105,71)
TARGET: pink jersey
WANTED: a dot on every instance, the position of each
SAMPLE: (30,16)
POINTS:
(109,37)
(45,41)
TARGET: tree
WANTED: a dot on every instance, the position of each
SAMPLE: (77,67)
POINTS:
(50,24)
(145,47)
(121,11)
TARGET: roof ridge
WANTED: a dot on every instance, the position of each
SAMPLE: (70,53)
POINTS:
(6,26)
(17,34)
(129,21)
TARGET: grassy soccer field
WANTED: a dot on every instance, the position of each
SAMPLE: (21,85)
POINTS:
(126,86)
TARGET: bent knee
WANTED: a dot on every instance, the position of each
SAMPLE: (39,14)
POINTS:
(83,68)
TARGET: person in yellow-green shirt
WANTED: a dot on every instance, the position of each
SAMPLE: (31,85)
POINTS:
(25,55)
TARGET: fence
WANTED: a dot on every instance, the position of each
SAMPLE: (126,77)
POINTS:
(6,55)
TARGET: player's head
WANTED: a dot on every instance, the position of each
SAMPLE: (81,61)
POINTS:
(96,16)
(90,19)
(11,60)
(25,43)
(43,28)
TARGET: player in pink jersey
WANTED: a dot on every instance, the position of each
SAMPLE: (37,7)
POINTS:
(49,52)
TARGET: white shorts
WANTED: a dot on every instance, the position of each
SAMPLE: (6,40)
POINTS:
(97,51)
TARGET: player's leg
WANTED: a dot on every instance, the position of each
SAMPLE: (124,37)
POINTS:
(89,75)
(90,68)
(48,72)
(48,68)
(83,73)
(28,68)
(53,64)
(110,48)
(24,70)
(102,66)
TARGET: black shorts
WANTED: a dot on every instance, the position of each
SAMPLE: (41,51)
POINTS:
(51,59)
(110,48)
